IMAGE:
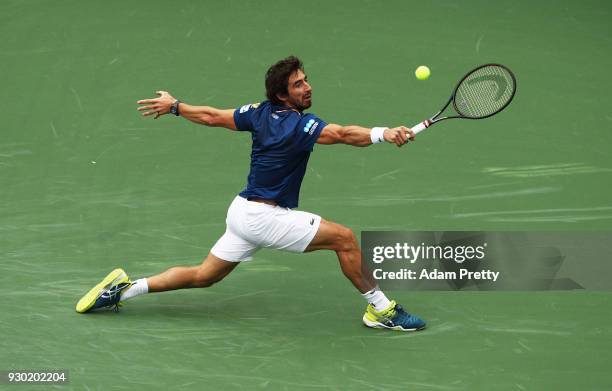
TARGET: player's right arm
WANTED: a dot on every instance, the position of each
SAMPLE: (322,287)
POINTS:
(203,115)
(209,116)
(361,137)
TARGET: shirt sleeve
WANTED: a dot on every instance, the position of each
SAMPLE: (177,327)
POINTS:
(309,129)
(243,117)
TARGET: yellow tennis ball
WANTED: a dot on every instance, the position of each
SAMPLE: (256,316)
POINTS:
(422,72)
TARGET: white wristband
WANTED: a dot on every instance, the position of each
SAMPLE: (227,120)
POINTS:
(377,135)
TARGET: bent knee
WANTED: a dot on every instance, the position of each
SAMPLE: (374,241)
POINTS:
(203,279)
(346,239)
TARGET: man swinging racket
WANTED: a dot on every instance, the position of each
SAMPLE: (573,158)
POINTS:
(263,214)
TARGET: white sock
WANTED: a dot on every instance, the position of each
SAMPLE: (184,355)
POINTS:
(139,287)
(377,298)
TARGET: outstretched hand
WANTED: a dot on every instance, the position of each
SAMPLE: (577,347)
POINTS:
(158,106)
(399,135)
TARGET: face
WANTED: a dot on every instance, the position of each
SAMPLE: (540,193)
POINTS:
(299,92)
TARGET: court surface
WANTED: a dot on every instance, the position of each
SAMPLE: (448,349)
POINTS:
(87,185)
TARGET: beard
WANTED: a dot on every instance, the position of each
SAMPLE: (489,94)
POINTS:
(304,104)
(300,104)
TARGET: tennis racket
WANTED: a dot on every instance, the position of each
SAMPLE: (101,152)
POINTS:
(481,93)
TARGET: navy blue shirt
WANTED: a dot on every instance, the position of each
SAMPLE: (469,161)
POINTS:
(282,142)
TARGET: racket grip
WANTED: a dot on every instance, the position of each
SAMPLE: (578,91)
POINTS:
(416,129)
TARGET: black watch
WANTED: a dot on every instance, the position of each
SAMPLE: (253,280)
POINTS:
(174,108)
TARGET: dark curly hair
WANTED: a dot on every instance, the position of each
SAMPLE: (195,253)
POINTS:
(277,77)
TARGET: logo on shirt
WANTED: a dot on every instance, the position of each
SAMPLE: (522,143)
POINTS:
(275,116)
(310,126)
(246,108)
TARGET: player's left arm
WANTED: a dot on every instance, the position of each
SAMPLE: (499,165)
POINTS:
(362,137)
(203,115)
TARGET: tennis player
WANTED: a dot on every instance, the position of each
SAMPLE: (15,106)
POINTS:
(263,214)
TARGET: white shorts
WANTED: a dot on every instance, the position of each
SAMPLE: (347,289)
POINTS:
(253,225)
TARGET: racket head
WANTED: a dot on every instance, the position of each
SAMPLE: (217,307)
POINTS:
(484,91)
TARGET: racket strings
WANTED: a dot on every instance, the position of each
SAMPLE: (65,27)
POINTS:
(484,92)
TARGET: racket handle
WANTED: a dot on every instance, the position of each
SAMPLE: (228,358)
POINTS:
(420,127)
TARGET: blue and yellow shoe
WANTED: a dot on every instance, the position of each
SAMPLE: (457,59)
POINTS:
(394,318)
(106,294)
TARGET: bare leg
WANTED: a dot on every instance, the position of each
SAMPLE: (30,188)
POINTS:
(336,237)
(212,270)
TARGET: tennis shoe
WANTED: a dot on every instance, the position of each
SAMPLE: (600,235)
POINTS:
(107,294)
(393,317)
